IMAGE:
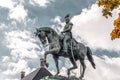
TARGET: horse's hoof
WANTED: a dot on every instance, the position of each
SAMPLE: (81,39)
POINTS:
(68,75)
(81,77)
(56,74)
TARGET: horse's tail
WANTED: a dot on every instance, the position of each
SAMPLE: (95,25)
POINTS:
(90,58)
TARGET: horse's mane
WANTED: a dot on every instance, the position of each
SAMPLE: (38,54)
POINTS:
(48,29)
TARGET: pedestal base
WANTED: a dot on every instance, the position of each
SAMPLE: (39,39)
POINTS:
(62,78)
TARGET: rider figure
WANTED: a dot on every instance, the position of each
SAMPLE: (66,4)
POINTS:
(67,32)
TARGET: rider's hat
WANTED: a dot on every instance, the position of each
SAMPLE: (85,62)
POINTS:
(67,17)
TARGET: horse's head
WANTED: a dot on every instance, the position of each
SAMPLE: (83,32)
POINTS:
(41,35)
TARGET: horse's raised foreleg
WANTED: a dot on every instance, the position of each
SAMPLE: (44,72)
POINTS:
(45,55)
(74,66)
(84,67)
(56,63)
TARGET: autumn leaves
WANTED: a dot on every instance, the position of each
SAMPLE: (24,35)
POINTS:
(116,31)
(108,7)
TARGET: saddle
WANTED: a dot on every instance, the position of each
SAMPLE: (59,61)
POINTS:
(71,43)
(74,44)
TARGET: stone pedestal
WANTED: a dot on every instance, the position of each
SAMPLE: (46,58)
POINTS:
(62,78)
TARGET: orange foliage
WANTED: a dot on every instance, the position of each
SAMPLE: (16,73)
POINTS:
(116,31)
(108,7)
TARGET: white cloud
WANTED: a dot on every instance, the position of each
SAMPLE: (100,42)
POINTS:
(41,3)
(21,44)
(107,69)
(17,10)
(91,26)
(14,68)
(2,26)
(18,13)
(23,48)
(17,67)
(11,79)
(58,24)
(57,20)
(5,58)
(7,4)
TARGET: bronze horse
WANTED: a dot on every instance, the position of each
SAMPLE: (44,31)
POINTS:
(75,52)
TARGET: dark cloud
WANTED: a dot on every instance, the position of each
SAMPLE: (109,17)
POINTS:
(102,52)
(4,15)
(56,8)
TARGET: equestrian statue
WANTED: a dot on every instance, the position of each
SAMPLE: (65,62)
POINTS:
(65,45)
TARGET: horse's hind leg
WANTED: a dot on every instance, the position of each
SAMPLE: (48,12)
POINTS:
(74,66)
(84,67)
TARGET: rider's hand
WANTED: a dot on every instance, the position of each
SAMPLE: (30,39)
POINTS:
(62,32)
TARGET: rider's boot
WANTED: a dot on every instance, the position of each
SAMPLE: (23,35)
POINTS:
(66,50)
(65,47)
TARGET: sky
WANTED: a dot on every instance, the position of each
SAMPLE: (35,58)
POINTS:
(20,50)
